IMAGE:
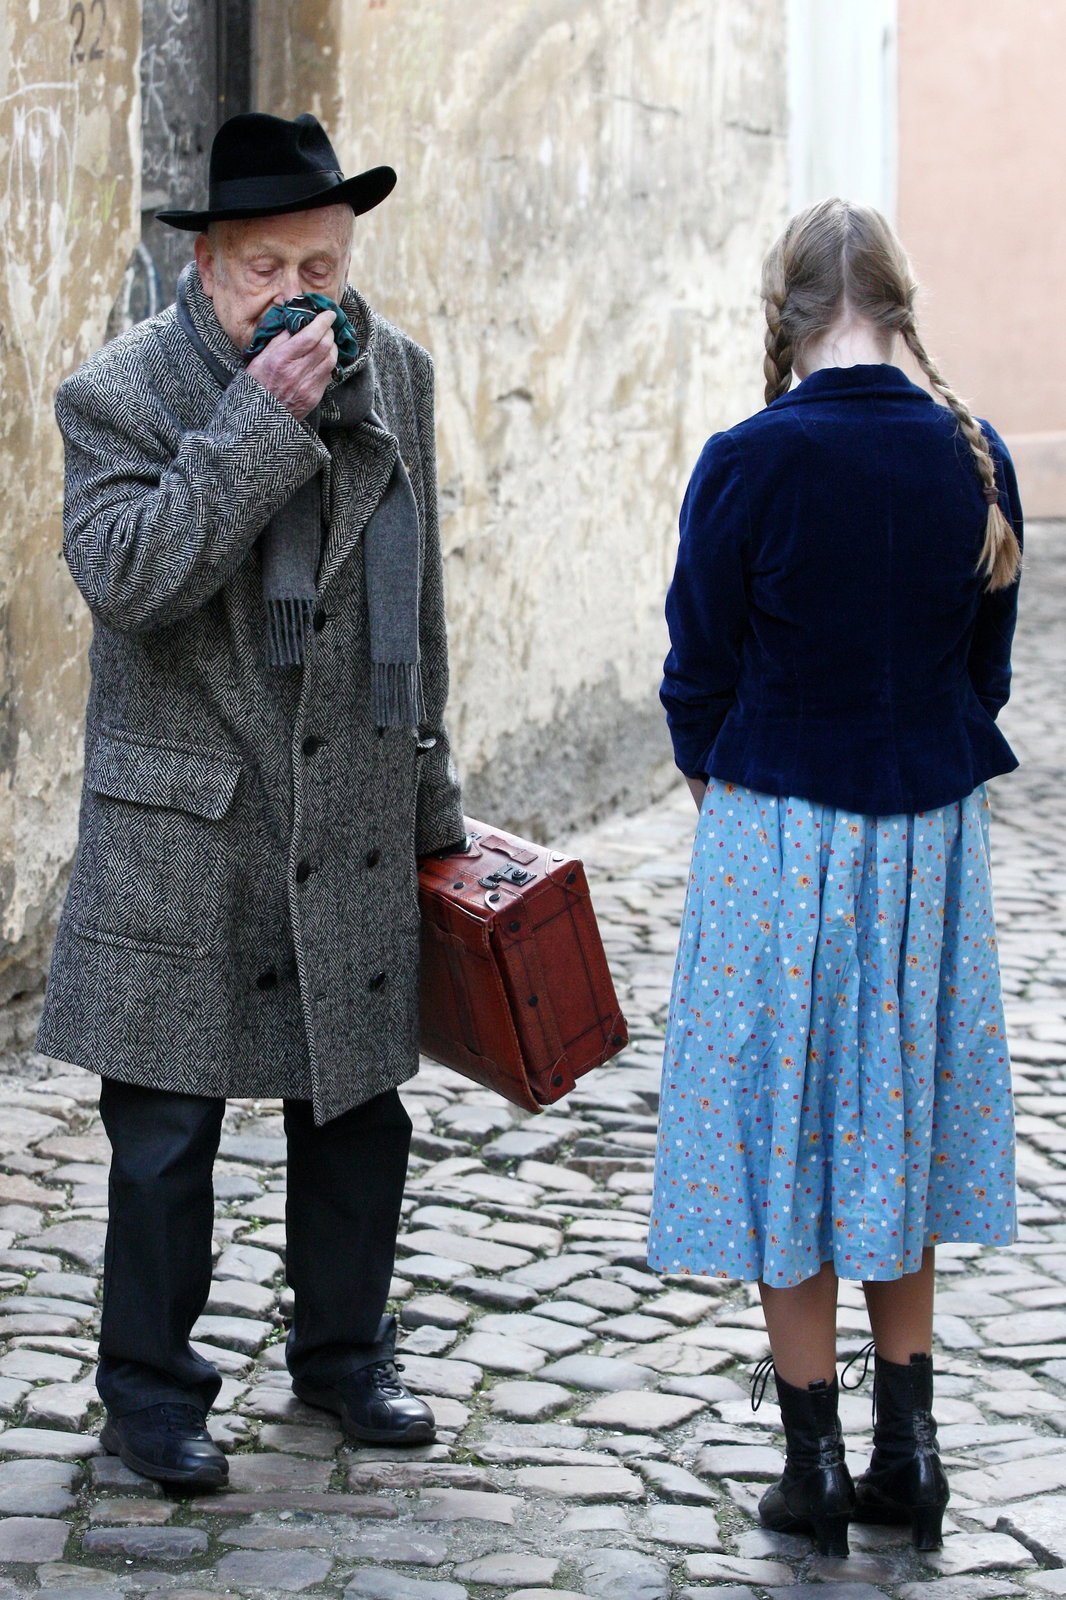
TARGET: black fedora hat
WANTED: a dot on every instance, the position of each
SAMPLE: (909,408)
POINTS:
(263,166)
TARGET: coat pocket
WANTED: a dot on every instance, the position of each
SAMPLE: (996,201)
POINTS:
(151,848)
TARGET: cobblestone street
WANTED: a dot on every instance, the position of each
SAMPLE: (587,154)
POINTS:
(595,1436)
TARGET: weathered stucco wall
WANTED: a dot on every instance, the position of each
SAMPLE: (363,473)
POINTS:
(982,209)
(586,190)
(69,133)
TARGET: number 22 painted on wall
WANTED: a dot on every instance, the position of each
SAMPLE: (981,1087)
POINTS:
(82,21)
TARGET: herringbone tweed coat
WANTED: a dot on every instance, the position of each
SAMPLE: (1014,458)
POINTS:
(242,917)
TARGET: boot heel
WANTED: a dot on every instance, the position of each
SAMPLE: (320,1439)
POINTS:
(926,1524)
(831,1535)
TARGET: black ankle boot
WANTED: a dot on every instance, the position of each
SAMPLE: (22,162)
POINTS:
(815,1493)
(905,1481)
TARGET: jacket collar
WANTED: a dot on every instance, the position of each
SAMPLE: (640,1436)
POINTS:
(879,381)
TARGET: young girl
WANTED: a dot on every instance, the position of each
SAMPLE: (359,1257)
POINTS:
(836,1086)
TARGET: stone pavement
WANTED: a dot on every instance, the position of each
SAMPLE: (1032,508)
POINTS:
(595,1434)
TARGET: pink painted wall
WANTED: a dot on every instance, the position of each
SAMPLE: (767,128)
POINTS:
(982,210)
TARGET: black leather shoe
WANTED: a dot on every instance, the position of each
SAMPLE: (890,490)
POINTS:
(374,1406)
(167,1442)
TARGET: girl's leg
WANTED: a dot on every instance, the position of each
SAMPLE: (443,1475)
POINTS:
(802,1326)
(901,1313)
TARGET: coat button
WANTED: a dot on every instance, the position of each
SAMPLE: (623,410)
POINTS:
(378,980)
(311,744)
(373,857)
(319,620)
(267,980)
(303,871)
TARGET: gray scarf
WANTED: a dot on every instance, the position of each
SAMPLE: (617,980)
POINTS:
(291,544)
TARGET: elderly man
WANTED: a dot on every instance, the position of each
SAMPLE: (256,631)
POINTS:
(257,541)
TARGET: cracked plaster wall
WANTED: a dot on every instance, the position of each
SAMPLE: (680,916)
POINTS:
(586,191)
(69,138)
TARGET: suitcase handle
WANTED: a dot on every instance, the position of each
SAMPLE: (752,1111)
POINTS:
(517,852)
(471,850)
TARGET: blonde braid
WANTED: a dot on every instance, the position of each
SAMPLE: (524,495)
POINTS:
(1000,558)
(777,363)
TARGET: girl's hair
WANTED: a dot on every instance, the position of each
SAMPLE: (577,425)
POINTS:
(836,257)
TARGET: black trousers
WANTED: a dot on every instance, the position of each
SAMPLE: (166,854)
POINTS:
(342,1211)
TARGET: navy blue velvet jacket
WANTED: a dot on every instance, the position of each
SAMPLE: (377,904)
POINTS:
(831,638)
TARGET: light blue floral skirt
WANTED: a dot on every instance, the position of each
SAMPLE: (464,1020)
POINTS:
(836,1082)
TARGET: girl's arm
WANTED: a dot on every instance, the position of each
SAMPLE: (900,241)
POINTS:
(707,607)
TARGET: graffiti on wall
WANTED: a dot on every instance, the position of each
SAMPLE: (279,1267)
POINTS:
(90,28)
(40,113)
(179,114)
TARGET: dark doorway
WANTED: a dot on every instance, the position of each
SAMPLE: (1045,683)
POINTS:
(196,70)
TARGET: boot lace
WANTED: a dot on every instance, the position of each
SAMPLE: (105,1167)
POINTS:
(385,1376)
(863,1354)
(760,1377)
(184,1417)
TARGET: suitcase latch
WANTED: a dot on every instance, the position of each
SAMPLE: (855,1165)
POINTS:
(514,875)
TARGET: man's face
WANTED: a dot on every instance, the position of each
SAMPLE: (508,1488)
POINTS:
(248,266)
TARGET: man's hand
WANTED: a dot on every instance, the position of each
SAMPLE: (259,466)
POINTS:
(296,367)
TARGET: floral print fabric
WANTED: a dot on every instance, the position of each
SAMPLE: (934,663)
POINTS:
(836,1081)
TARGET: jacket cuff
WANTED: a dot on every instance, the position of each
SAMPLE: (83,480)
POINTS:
(690,750)
(248,415)
(993,704)
(439,818)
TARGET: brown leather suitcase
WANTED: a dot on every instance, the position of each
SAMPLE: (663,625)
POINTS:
(516,991)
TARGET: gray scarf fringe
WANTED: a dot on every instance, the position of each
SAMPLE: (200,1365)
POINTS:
(288,619)
(396,688)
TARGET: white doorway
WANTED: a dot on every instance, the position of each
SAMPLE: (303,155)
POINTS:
(842,102)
